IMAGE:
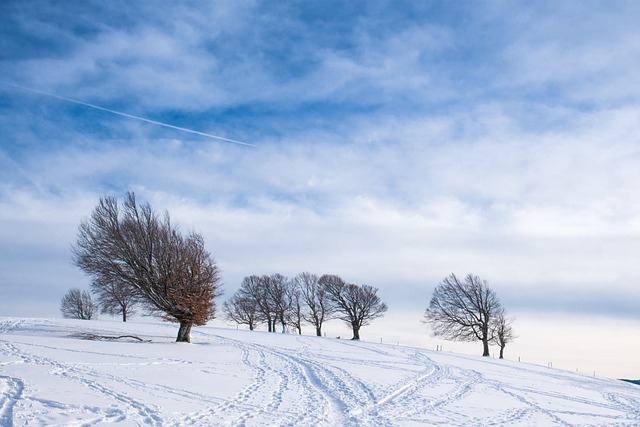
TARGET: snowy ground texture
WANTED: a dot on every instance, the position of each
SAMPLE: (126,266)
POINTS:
(51,374)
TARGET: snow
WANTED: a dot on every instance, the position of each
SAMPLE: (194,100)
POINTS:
(51,374)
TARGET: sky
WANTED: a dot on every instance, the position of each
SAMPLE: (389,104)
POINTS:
(391,143)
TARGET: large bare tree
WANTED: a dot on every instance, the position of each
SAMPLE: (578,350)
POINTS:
(173,274)
(316,299)
(116,298)
(77,304)
(355,305)
(463,310)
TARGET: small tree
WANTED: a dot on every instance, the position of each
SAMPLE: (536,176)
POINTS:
(242,310)
(173,274)
(463,310)
(279,297)
(355,305)
(295,316)
(502,331)
(77,304)
(315,297)
(116,298)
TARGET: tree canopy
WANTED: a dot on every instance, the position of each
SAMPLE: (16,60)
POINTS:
(463,310)
(172,274)
(77,304)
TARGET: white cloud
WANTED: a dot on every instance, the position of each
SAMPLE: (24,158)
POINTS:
(501,142)
(583,55)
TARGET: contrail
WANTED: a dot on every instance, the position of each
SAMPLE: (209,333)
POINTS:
(97,107)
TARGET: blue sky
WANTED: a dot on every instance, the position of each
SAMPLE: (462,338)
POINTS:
(394,143)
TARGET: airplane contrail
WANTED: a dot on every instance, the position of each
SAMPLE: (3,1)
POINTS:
(97,107)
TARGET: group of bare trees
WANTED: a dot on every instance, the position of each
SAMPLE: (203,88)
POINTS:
(468,310)
(115,299)
(136,258)
(280,302)
(133,256)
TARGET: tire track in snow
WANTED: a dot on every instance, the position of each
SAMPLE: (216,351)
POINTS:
(408,387)
(11,389)
(417,397)
(628,404)
(531,408)
(151,390)
(308,397)
(536,407)
(294,388)
(144,414)
(416,390)
(559,416)
(8,325)
(334,407)
(314,394)
(348,396)
(344,395)
(243,406)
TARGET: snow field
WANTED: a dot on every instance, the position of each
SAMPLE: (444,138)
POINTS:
(51,376)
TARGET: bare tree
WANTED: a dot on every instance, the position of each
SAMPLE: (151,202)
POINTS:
(295,316)
(242,310)
(463,310)
(316,299)
(116,298)
(279,297)
(502,331)
(255,289)
(174,276)
(355,305)
(77,304)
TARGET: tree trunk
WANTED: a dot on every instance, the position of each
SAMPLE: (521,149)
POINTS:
(124,315)
(318,331)
(184,333)
(485,344)
(502,352)
(356,332)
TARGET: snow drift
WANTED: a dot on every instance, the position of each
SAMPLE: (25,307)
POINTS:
(67,372)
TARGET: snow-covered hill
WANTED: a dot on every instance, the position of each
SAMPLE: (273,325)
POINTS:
(52,374)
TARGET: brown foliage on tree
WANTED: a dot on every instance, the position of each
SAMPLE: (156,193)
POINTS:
(173,275)
(77,304)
